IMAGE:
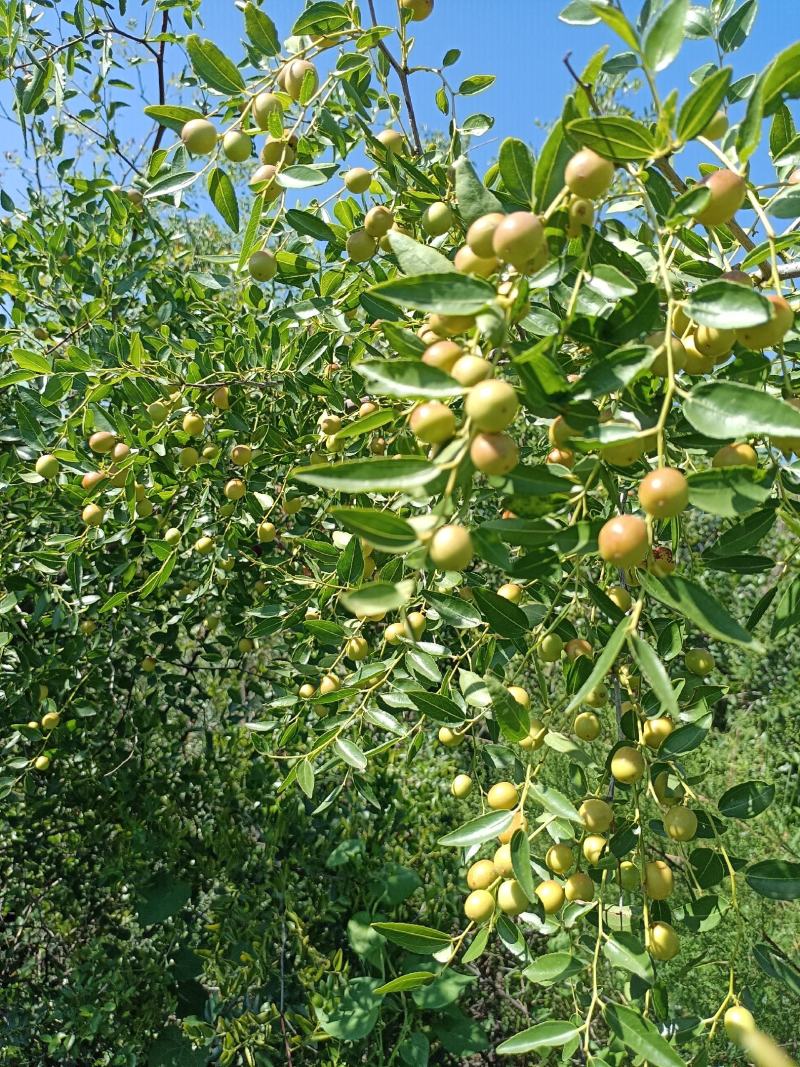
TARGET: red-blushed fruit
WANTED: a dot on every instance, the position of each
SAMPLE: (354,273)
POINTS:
(479,906)
(622,541)
(627,765)
(480,235)
(728,191)
(102,441)
(771,333)
(579,886)
(297,72)
(468,370)
(680,823)
(739,277)
(656,731)
(491,405)
(519,239)
(738,455)
(588,174)
(662,941)
(578,647)
(432,422)
(551,896)
(466,262)
(664,493)
(451,548)
(596,815)
(559,432)
(357,180)
(586,726)
(511,898)
(502,796)
(442,355)
(199,136)
(482,874)
(565,457)
(658,880)
(494,453)
(262,265)
(360,246)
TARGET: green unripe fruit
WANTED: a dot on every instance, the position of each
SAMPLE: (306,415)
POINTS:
(494,453)
(479,906)
(237,146)
(738,455)
(550,648)
(771,333)
(102,441)
(437,219)
(716,127)
(418,9)
(263,181)
(491,405)
(699,661)
(623,542)
(188,457)
(480,235)
(481,874)
(511,898)
(93,515)
(378,221)
(658,880)
(199,136)
(451,548)
(357,180)
(559,858)
(596,815)
(172,536)
(468,370)
(295,73)
(157,412)
(680,823)
(739,1021)
(432,422)
(579,886)
(664,493)
(551,896)
(193,424)
(392,141)
(461,786)
(627,765)
(620,596)
(594,848)
(502,862)
(41,763)
(443,355)
(449,738)
(50,720)
(728,191)
(662,941)
(714,343)
(660,365)
(241,455)
(262,265)
(47,466)
(279,151)
(356,649)
(628,876)
(466,262)
(360,246)
(586,726)
(245,645)
(204,545)
(518,239)
(502,796)
(537,731)
(266,532)
(588,174)
(235,489)
(656,731)
(581,213)
(264,105)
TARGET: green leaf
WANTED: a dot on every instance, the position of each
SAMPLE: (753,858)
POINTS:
(446,989)
(774,966)
(305,176)
(694,603)
(369,475)
(415,258)
(787,610)
(408,379)
(512,718)
(664,37)
(261,30)
(685,738)
(655,672)
(350,753)
(641,1036)
(474,199)
(321,18)
(405,983)
(783,76)
(383,529)
(251,231)
(33,361)
(213,67)
(503,617)
(603,664)
(172,183)
(454,611)
(616,20)
(609,282)
(776,879)
(614,372)
(437,707)
(308,224)
(746,800)
(725,410)
(552,968)
(729,491)
(548,179)
(477,946)
(626,951)
(727,306)
(476,84)
(543,1035)
(749,133)
(478,830)
(516,170)
(223,196)
(172,116)
(445,294)
(736,28)
(162,898)
(702,104)
(554,801)
(378,596)
(615,137)
(521,863)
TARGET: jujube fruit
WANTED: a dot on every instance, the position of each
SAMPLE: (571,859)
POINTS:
(418,9)
(770,333)
(451,548)
(502,796)
(494,453)
(294,75)
(737,455)
(579,886)
(491,405)
(468,370)
(550,648)
(656,731)
(237,146)
(738,1021)
(466,262)
(378,221)
(627,764)
(199,136)
(551,896)
(442,355)
(623,541)
(662,941)
(480,235)
(360,246)
(432,422)
(658,880)
(461,786)
(264,105)
(699,661)
(357,180)
(596,814)
(479,906)
(664,493)
(559,858)
(518,239)
(511,898)
(588,174)
(262,265)
(586,726)
(47,466)
(680,823)
(728,191)
(482,874)
(437,219)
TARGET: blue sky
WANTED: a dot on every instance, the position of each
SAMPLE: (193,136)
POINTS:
(522,42)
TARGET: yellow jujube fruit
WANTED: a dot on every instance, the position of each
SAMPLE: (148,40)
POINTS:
(502,796)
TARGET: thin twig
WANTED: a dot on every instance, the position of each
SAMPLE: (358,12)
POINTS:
(402,74)
(162,89)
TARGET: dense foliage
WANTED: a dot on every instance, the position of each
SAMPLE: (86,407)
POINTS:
(394,473)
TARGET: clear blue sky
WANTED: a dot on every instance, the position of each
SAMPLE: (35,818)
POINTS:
(522,42)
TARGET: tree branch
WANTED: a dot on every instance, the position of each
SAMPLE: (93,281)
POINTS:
(402,74)
(162,89)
